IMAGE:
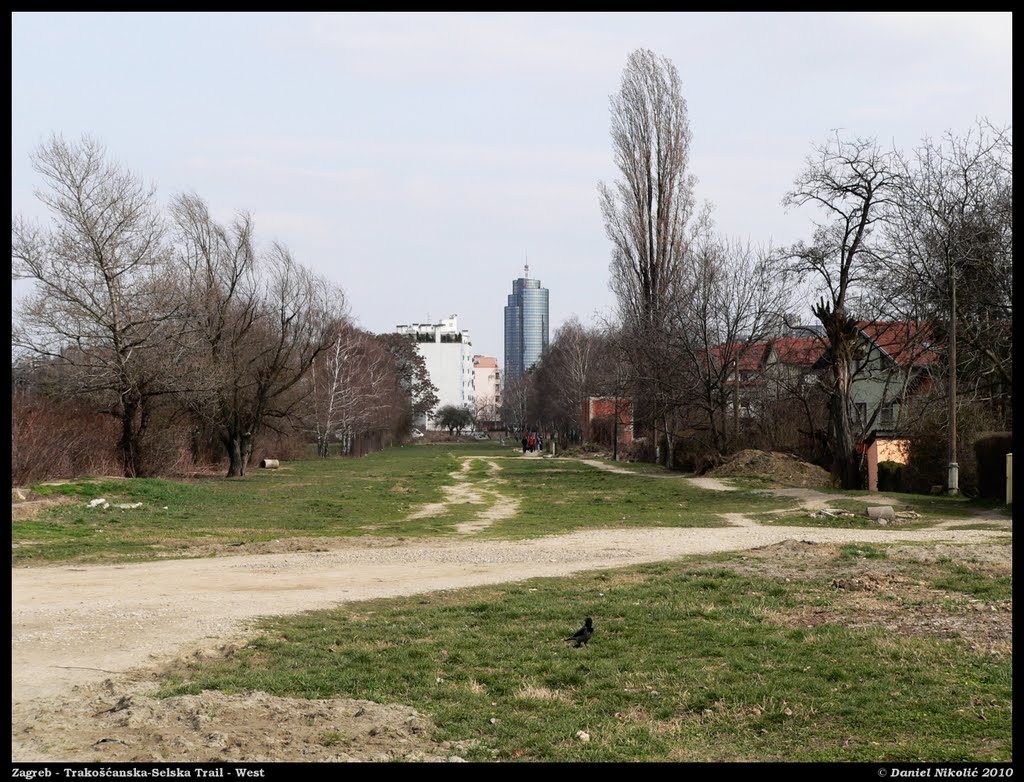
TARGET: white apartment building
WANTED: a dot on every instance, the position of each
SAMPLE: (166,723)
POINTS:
(448,354)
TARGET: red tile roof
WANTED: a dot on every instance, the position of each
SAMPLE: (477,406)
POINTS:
(750,356)
(907,342)
(799,351)
(485,362)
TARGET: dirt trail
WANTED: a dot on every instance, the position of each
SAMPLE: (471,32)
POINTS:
(498,506)
(700,482)
(76,624)
(810,499)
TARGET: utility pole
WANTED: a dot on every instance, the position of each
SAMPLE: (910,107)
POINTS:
(615,430)
(736,404)
(953,481)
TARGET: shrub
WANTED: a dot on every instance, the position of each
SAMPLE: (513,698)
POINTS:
(929,456)
(890,476)
(990,452)
(51,440)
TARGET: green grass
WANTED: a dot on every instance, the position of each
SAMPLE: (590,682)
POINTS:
(375,495)
(561,495)
(978,584)
(854,551)
(314,497)
(338,497)
(689,661)
(931,507)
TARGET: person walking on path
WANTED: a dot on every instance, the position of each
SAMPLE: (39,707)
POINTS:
(525,443)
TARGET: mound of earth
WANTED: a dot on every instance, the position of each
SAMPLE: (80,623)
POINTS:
(779,469)
(110,723)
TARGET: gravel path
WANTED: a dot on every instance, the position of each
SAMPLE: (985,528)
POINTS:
(78,624)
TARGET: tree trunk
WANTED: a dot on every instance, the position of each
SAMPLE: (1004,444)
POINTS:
(239,448)
(234,448)
(128,446)
(845,467)
(669,446)
(845,459)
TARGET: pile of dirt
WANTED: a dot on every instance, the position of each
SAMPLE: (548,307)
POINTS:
(797,549)
(778,469)
(113,723)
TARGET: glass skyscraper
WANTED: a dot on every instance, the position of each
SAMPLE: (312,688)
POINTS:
(526,325)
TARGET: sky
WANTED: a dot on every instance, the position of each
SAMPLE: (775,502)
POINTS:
(416,160)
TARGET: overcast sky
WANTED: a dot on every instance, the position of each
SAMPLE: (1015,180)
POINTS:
(416,159)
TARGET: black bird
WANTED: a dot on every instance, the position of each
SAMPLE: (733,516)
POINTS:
(583,634)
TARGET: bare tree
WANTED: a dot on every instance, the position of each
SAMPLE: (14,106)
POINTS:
(954,261)
(370,401)
(854,182)
(100,304)
(515,399)
(333,395)
(646,213)
(571,369)
(257,324)
(719,329)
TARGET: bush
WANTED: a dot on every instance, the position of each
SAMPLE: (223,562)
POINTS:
(929,456)
(51,440)
(890,476)
(639,450)
(990,452)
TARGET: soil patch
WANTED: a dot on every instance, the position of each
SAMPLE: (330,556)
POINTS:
(113,722)
(23,510)
(884,593)
(498,506)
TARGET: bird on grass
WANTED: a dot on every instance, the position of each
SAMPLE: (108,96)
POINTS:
(583,634)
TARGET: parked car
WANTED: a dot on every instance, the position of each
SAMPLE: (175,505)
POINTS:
(481,436)
(416,434)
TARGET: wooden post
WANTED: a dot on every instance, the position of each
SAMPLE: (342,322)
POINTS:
(1009,478)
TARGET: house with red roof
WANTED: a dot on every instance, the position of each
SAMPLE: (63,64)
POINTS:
(897,361)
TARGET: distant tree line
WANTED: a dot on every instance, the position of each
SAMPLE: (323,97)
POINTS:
(196,343)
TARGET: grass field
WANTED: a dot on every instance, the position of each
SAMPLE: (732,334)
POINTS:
(794,652)
(759,656)
(379,495)
(374,495)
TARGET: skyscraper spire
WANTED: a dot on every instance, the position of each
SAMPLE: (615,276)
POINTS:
(526,266)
